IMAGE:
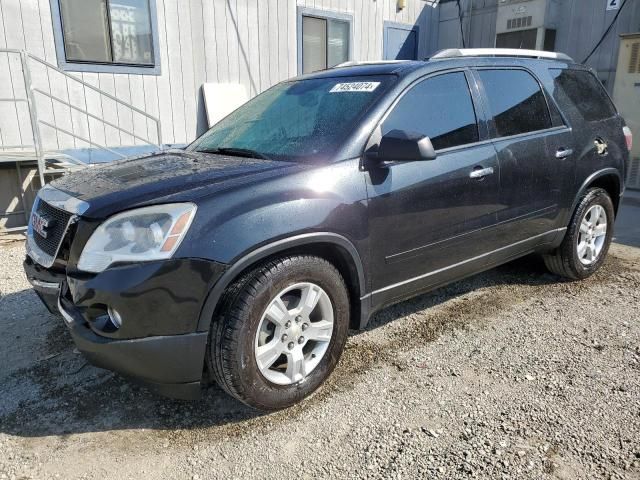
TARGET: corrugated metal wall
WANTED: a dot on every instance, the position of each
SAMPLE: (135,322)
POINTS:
(580,24)
(586,21)
(479,32)
(252,42)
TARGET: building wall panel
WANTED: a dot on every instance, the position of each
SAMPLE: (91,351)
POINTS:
(252,42)
(579,24)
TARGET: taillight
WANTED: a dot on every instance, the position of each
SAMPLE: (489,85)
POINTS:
(628,137)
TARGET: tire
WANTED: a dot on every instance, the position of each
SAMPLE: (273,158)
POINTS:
(244,325)
(570,262)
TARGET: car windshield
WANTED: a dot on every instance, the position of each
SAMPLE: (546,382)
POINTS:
(298,121)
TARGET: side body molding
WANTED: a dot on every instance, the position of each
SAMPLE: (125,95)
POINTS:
(206,315)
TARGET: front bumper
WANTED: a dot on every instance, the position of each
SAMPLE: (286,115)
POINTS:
(160,304)
(171,365)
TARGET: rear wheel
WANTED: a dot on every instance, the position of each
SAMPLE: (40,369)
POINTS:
(588,237)
(280,332)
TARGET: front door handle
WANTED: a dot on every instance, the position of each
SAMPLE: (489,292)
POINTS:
(480,172)
(564,153)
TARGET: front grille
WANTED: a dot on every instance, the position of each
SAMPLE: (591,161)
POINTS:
(58,220)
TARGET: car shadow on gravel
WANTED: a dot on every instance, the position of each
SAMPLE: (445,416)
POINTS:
(58,393)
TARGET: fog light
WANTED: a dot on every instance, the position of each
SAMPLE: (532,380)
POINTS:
(115,317)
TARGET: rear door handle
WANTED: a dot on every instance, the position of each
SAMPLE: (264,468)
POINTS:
(480,172)
(564,153)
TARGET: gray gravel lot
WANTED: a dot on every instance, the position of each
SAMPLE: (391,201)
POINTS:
(509,374)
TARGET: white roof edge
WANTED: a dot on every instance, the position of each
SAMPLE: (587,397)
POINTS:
(500,52)
(353,63)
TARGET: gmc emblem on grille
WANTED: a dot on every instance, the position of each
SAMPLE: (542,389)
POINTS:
(40,224)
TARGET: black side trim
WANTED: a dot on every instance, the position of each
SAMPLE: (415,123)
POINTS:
(418,251)
(432,280)
(589,180)
(267,250)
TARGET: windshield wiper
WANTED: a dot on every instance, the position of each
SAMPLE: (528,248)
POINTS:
(236,152)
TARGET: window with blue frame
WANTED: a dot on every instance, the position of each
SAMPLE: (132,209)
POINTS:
(324,39)
(113,34)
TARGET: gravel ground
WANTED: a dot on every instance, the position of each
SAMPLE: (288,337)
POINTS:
(509,374)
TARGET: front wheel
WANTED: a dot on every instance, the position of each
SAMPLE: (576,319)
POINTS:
(588,237)
(280,333)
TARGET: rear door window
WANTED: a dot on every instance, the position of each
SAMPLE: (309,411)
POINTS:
(439,108)
(580,93)
(516,101)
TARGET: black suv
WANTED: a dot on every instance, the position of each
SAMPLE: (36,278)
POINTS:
(252,252)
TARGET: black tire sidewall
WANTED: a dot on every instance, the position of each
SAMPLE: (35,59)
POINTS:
(256,390)
(595,196)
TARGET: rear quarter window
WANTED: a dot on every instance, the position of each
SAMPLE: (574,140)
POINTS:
(580,94)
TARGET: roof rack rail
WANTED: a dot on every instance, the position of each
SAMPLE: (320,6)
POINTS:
(500,52)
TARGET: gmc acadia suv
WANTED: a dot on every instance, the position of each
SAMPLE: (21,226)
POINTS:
(253,251)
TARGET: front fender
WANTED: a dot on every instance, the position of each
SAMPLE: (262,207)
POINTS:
(331,198)
(270,249)
(323,205)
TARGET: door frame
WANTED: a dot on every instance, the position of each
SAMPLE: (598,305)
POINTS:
(387,294)
(558,125)
(477,97)
(407,27)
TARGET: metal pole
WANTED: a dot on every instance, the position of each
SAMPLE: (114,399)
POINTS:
(21,192)
(33,115)
(470,26)
(91,115)
(159,129)
(88,85)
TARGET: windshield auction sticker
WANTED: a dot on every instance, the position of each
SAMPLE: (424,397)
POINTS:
(354,87)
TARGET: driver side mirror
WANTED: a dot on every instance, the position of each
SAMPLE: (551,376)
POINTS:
(403,146)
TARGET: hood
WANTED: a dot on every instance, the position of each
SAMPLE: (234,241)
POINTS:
(163,177)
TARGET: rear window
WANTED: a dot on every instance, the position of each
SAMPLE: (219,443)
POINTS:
(579,92)
(516,102)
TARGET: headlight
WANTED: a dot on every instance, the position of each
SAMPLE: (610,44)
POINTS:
(149,233)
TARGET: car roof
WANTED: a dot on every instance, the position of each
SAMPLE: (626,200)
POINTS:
(353,69)
(442,61)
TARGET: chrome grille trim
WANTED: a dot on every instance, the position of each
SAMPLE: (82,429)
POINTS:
(40,256)
(61,201)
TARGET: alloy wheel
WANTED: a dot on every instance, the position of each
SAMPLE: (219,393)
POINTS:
(593,233)
(294,333)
